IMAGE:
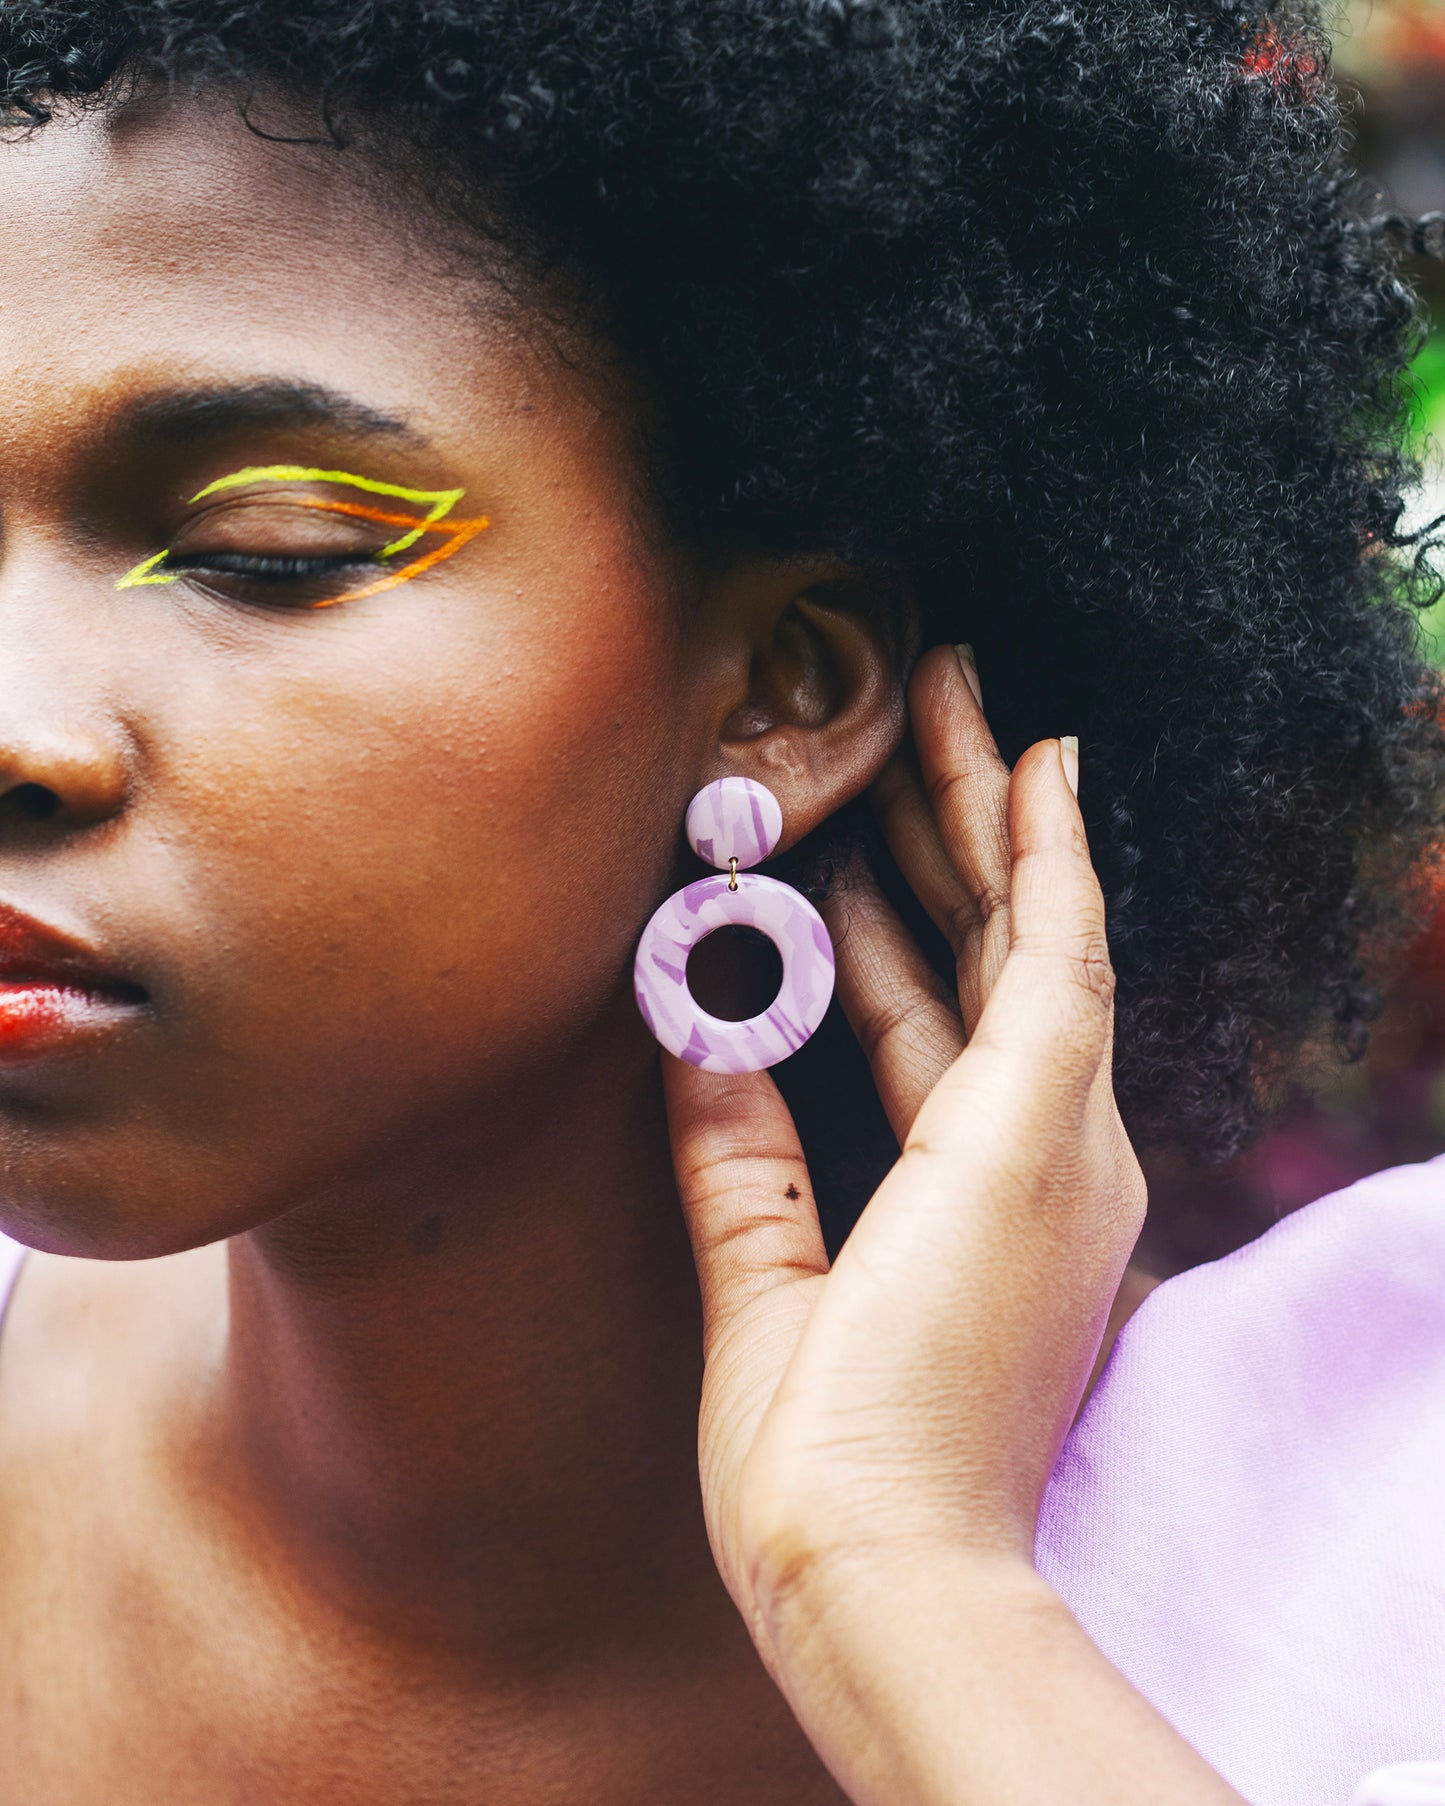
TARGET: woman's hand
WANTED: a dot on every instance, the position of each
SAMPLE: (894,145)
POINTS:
(921,1389)
(875,1439)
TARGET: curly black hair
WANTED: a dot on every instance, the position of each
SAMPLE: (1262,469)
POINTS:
(1063,315)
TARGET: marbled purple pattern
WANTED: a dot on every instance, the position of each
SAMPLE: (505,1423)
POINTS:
(659,974)
(734,817)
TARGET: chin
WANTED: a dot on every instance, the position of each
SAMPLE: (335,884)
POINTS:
(69,1209)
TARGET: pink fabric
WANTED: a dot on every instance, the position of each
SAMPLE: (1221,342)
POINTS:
(1249,1516)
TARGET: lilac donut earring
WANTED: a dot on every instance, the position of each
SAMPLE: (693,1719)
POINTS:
(733,824)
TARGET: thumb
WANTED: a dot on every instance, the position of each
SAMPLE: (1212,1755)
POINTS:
(745,1192)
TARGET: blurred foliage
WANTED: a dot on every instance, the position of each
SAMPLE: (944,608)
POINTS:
(1427,411)
(1427,425)
(1340,1123)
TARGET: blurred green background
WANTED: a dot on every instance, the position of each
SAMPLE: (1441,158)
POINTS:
(1340,1123)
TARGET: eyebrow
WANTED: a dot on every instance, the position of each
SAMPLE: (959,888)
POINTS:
(172,417)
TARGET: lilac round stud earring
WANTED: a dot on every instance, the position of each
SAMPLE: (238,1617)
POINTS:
(732,824)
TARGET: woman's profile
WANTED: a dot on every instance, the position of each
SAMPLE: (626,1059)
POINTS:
(477,483)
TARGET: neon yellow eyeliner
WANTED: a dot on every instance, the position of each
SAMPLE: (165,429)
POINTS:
(438,503)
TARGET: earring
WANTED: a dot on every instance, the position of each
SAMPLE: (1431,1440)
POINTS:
(732,824)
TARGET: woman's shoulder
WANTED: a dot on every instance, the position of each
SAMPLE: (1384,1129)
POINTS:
(1338,1302)
(1339,1309)
(1247,1515)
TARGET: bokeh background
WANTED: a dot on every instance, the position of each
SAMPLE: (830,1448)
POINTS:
(1339,1123)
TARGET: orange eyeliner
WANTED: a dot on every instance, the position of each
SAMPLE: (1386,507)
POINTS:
(437,518)
(461,532)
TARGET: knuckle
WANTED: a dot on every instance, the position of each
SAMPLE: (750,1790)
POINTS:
(967,916)
(910,1037)
(941,788)
(722,1171)
(967,782)
(807,1533)
(991,899)
(783,1544)
(747,1229)
(960,925)
(1092,972)
(880,1026)
(784,1559)
(1080,974)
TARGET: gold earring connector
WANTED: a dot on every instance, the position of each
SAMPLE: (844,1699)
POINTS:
(732,874)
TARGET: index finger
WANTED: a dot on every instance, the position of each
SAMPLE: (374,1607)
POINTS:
(947,824)
(743,1182)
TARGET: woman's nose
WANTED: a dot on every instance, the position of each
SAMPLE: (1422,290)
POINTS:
(68,774)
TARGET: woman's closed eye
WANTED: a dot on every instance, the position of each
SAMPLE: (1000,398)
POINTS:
(264,564)
(315,538)
(274,579)
(284,551)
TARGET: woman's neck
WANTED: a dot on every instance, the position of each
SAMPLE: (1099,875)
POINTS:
(464,1392)
(423,1505)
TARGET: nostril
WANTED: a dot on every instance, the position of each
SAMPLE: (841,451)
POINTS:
(30,802)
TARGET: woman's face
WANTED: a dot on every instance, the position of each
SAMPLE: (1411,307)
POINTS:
(356,865)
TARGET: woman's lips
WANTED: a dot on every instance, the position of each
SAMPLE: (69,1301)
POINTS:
(53,989)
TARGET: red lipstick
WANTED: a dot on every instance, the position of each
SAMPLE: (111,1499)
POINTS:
(54,990)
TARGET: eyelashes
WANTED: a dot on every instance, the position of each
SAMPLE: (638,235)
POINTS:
(254,564)
(437,518)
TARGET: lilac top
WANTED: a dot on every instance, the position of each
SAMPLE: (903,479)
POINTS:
(1249,1516)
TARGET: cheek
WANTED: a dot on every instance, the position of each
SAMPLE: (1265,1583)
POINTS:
(371,875)
(427,856)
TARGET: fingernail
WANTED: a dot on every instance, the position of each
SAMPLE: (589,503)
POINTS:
(1069,753)
(970,670)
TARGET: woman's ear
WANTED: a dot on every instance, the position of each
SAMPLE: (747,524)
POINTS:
(805,672)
